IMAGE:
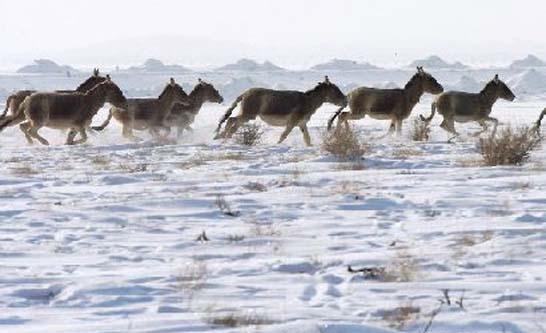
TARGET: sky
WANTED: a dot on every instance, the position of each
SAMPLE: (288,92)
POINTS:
(292,33)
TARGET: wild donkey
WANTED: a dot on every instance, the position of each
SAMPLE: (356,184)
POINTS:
(147,113)
(72,111)
(14,100)
(183,116)
(281,108)
(462,107)
(392,104)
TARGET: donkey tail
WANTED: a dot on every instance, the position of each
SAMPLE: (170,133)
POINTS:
(338,112)
(228,113)
(433,112)
(105,123)
(15,118)
(539,121)
(8,101)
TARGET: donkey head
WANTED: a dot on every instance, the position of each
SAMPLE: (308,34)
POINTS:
(92,81)
(208,92)
(502,89)
(173,93)
(114,95)
(428,82)
(331,93)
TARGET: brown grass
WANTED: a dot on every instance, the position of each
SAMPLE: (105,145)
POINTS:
(419,130)
(344,144)
(249,135)
(23,171)
(399,318)
(509,146)
(238,319)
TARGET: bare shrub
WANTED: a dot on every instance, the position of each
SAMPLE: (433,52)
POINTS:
(134,168)
(255,186)
(419,130)
(344,144)
(192,277)
(238,319)
(402,268)
(399,318)
(100,160)
(225,207)
(249,135)
(509,146)
(23,171)
(404,153)
(264,230)
(234,238)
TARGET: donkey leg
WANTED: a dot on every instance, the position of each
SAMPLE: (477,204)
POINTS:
(24,128)
(449,126)
(306,136)
(33,132)
(71,135)
(83,135)
(235,124)
(398,125)
(289,127)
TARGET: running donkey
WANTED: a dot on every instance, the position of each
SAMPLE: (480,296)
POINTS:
(72,111)
(281,108)
(462,107)
(387,104)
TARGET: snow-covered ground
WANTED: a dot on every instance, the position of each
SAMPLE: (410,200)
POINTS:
(103,237)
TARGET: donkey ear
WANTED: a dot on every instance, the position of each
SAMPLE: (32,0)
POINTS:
(326,79)
(108,78)
(199,80)
(171,82)
(496,78)
(95,72)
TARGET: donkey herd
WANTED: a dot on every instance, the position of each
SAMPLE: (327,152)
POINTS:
(73,110)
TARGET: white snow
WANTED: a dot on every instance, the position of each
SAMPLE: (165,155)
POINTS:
(103,237)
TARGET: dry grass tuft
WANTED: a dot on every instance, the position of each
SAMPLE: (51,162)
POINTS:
(238,319)
(23,171)
(404,153)
(134,168)
(224,206)
(192,277)
(402,268)
(344,144)
(255,187)
(249,135)
(101,160)
(509,146)
(419,130)
(399,318)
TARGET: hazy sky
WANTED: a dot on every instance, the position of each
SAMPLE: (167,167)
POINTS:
(293,33)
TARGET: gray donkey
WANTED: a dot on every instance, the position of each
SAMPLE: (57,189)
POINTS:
(281,108)
(72,111)
(183,116)
(15,100)
(147,113)
(462,107)
(387,104)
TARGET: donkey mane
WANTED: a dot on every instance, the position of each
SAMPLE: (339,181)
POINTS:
(412,82)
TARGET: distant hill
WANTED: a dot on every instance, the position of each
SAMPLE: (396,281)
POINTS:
(466,84)
(46,66)
(248,65)
(530,61)
(530,82)
(157,66)
(343,65)
(435,62)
